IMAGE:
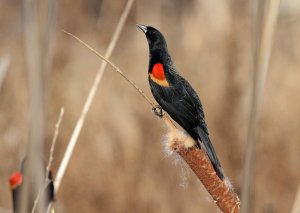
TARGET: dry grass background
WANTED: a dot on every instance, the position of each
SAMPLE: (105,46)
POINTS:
(119,164)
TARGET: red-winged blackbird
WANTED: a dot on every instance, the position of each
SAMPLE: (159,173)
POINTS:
(175,95)
(15,182)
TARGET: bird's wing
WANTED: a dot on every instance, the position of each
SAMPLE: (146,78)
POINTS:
(179,105)
(192,95)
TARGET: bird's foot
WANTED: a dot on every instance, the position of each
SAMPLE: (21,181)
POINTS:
(157,110)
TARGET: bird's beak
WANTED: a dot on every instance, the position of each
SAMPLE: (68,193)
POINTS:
(142,27)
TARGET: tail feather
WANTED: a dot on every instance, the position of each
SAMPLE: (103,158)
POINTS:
(206,144)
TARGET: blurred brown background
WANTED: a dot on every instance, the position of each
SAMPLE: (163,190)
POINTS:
(119,164)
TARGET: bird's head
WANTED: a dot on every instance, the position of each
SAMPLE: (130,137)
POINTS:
(155,38)
(15,180)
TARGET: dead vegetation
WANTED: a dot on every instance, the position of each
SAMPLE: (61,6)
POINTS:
(119,150)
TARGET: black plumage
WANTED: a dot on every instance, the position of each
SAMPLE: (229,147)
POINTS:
(16,185)
(176,96)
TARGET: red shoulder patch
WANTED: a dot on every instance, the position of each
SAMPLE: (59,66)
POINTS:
(158,71)
(15,180)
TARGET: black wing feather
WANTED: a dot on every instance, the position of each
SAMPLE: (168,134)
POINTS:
(182,103)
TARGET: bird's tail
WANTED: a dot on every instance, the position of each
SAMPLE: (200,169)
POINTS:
(205,144)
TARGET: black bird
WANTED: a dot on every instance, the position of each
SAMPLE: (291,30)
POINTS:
(175,95)
(16,186)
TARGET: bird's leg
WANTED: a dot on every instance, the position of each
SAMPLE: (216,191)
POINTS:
(157,110)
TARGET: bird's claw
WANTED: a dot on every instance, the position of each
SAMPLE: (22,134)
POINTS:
(157,110)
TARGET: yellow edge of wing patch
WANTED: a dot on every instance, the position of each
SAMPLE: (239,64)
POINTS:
(163,82)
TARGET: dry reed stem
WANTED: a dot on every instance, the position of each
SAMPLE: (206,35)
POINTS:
(56,131)
(90,98)
(61,114)
(4,64)
(36,201)
(47,181)
(296,206)
(38,25)
(261,67)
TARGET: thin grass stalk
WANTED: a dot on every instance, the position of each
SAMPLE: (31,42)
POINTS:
(56,131)
(90,98)
(47,181)
(113,66)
